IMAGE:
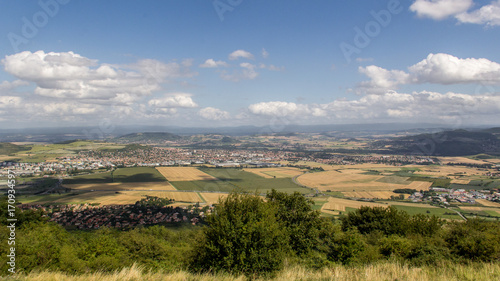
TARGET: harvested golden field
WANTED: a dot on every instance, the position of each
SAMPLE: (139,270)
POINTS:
(119,197)
(460,181)
(470,208)
(370,166)
(444,171)
(419,185)
(420,205)
(487,203)
(278,172)
(348,182)
(326,167)
(373,194)
(184,174)
(212,198)
(117,186)
(446,160)
(340,204)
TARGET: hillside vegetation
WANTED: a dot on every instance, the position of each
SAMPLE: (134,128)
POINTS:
(249,237)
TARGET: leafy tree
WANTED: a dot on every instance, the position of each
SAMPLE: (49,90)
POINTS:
(347,247)
(302,223)
(475,239)
(243,235)
(388,220)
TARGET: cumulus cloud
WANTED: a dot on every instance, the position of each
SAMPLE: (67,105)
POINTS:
(487,14)
(440,9)
(69,75)
(210,63)
(7,102)
(436,68)
(211,113)
(240,54)
(390,106)
(173,100)
(279,108)
(382,79)
(246,72)
(447,69)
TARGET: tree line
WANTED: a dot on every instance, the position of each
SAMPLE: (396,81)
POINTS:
(257,235)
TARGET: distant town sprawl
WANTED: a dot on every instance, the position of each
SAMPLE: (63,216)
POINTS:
(155,156)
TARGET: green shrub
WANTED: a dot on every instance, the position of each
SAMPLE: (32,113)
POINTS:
(347,247)
(242,236)
(301,222)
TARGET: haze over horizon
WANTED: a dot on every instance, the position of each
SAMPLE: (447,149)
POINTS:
(263,63)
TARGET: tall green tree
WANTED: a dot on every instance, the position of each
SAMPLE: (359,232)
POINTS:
(301,222)
(242,236)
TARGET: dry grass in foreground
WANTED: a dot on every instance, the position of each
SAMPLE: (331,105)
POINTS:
(377,272)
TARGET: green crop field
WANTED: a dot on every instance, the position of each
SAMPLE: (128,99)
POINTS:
(438,212)
(137,174)
(134,174)
(91,178)
(221,186)
(247,181)
(235,179)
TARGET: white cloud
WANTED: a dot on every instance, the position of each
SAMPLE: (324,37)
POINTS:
(447,69)
(487,14)
(240,54)
(436,68)
(440,9)
(210,63)
(364,59)
(264,53)
(391,106)
(7,85)
(382,79)
(9,102)
(173,100)
(246,72)
(279,108)
(211,113)
(69,75)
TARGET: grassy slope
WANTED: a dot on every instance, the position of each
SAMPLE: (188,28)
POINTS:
(374,272)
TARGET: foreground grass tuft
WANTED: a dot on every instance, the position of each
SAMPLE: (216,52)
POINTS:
(373,272)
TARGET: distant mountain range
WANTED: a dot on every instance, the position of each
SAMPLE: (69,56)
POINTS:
(146,137)
(446,143)
(59,134)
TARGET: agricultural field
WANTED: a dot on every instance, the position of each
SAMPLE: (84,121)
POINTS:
(278,172)
(134,174)
(212,197)
(488,203)
(110,197)
(349,181)
(231,179)
(338,204)
(373,194)
(489,210)
(40,152)
(326,167)
(121,186)
(184,174)
(456,172)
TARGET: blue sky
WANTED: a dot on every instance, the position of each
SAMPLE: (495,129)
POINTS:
(240,62)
